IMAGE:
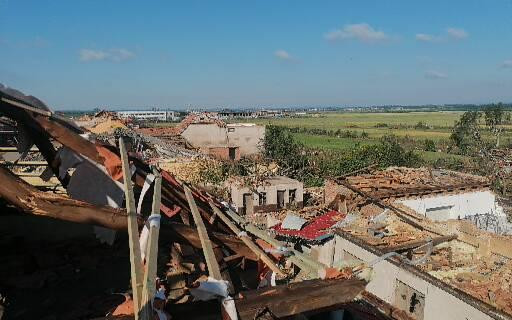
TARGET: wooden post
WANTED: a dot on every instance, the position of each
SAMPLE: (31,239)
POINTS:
(149,288)
(133,232)
(211,262)
(245,238)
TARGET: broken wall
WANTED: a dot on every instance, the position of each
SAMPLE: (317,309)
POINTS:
(403,289)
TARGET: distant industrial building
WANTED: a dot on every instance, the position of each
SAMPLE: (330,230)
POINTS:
(146,115)
(227,114)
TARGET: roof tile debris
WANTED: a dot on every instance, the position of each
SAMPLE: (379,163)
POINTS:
(178,200)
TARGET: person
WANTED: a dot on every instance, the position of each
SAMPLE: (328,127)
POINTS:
(158,306)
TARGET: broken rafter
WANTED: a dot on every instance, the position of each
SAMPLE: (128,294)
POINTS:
(313,268)
(209,255)
(247,240)
(133,235)
(31,200)
(405,216)
(299,297)
(149,288)
(417,243)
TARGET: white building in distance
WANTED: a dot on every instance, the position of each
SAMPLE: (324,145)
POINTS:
(148,115)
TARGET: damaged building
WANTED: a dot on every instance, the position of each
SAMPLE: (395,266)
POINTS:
(118,237)
(210,135)
(272,194)
(184,253)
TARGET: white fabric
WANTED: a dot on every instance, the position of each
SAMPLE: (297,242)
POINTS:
(242,234)
(153,221)
(147,183)
(91,183)
(143,241)
(210,289)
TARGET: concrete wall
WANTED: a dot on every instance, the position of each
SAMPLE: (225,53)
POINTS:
(237,193)
(223,153)
(474,206)
(206,135)
(248,137)
(462,204)
(438,303)
(209,135)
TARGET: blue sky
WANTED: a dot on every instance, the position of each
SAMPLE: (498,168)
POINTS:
(86,54)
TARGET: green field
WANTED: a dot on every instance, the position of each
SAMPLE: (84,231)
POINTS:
(438,127)
(399,124)
(342,120)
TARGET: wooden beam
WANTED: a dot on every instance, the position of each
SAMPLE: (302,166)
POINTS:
(133,233)
(399,212)
(299,297)
(209,255)
(149,288)
(181,233)
(314,268)
(247,240)
(416,243)
(27,198)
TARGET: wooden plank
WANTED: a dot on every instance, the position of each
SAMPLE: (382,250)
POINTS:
(416,243)
(209,255)
(247,240)
(133,233)
(149,288)
(27,198)
(299,297)
(25,163)
(184,234)
(27,107)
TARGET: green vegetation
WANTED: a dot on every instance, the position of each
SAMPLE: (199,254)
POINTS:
(314,165)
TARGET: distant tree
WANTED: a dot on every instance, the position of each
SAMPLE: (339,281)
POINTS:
(280,146)
(494,115)
(466,132)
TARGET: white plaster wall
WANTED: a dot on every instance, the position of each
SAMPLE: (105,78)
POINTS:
(247,137)
(206,135)
(464,204)
(439,304)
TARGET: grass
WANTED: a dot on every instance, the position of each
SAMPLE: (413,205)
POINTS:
(350,120)
(329,143)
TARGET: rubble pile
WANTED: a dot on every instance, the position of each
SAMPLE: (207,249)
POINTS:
(185,247)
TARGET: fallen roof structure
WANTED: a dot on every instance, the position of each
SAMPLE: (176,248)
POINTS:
(102,179)
(430,269)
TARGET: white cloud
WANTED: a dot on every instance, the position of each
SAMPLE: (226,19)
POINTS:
(432,74)
(507,64)
(450,34)
(426,37)
(362,32)
(457,33)
(282,55)
(114,55)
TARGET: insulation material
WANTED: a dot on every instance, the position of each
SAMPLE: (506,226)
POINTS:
(293,222)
